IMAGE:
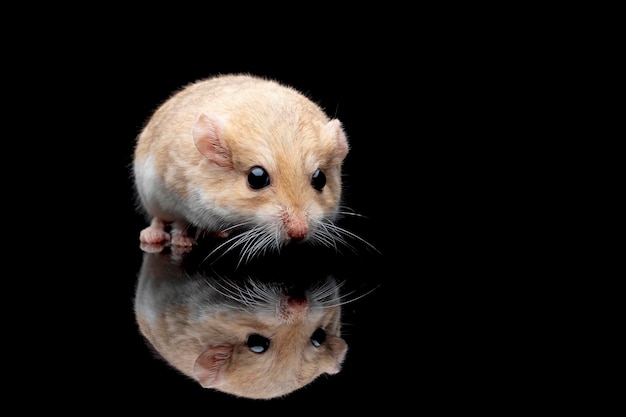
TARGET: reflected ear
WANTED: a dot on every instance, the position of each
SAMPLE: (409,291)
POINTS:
(210,366)
(338,348)
(207,135)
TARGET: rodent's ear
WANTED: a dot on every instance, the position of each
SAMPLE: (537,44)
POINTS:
(207,133)
(338,348)
(210,367)
(335,128)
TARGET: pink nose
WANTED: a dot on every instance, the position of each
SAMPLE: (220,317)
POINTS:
(296,236)
(297,228)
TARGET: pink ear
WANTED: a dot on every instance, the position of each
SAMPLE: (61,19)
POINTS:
(207,135)
(335,128)
(210,366)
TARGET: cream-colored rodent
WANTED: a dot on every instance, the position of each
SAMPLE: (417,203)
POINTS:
(244,157)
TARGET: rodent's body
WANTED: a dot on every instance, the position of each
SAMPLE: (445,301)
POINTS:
(197,161)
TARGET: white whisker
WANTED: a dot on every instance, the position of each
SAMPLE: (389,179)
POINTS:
(345,300)
(254,241)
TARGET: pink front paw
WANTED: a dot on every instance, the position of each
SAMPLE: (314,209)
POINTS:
(180,236)
(153,235)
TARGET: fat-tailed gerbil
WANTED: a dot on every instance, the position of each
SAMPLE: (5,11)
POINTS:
(244,157)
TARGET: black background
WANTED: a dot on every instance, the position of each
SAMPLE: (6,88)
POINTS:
(420,115)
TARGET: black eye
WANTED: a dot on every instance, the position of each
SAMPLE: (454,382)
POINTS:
(318,181)
(318,337)
(258,178)
(258,343)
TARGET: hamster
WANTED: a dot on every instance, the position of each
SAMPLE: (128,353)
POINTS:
(243,157)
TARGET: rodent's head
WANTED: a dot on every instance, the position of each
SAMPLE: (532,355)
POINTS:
(277,177)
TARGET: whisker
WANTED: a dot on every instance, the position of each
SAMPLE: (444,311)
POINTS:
(330,294)
(331,236)
(340,231)
(254,241)
(345,300)
(258,243)
(344,210)
(232,242)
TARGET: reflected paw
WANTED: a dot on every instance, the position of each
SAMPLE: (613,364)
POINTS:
(182,240)
(152,247)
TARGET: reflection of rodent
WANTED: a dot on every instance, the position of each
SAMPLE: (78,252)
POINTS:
(246,337)
(240,153)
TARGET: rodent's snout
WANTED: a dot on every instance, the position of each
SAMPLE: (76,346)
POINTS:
(297,304)
(296,238)
(297,228)
(297,232)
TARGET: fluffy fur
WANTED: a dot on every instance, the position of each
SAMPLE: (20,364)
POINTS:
(194,155)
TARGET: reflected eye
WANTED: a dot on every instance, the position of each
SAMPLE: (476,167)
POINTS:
(318,181)
(258,343)
(258,178)
(318,337)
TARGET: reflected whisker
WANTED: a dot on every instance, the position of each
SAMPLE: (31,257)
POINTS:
(345,300)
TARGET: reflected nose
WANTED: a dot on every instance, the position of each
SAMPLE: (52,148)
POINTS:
(297,303)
